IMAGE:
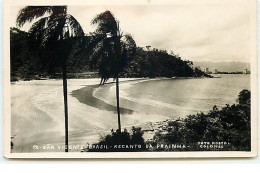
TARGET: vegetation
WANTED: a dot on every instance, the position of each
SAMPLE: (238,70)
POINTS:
(158,63)
(111,50)
(56,44)
(226,129)
(26,64)
(30,60)
(50,39)
(122,141)
(230,124)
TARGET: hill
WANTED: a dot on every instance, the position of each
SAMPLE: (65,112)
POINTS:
(28,62)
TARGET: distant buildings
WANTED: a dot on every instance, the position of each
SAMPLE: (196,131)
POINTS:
(206,70)
(245,71)
(215,71)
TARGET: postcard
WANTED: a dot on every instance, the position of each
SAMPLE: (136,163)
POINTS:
(130,79)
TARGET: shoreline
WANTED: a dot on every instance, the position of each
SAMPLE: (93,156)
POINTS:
(42,96)
(80,124)
(135,78)
(85,94)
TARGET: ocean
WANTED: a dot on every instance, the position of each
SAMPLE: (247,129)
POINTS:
(178,97)
(37,112)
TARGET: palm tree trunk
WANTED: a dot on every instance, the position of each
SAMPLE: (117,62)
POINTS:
(117,99)
(65,106)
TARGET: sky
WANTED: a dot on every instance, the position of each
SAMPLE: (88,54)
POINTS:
(218,32)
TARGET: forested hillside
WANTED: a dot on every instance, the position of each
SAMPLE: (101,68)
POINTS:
(29,63)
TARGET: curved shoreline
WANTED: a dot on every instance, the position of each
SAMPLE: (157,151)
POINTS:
(85,95)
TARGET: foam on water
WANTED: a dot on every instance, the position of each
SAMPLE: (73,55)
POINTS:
(38,108)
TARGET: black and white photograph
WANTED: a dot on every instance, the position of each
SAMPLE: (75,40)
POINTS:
(130,79)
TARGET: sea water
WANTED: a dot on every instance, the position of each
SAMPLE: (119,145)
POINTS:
(37,108)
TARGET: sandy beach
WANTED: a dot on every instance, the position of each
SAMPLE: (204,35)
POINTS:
(41,121)
(37,113)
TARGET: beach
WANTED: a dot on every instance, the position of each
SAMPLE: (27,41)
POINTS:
(37,115)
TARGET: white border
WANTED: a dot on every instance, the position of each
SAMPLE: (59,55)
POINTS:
(195,154)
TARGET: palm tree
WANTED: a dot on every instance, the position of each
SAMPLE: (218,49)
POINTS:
(53,33)
(112,50)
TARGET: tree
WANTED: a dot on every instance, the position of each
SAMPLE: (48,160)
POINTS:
(23,62)
(112,50)
(51,35)
(244,96)
(117,138)
(229,124)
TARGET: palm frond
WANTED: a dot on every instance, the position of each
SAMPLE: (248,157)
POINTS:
(47,30)
(54,31)
(38,28)
(94,58)
(103,17)
(97,51)
(106,23)
(29,13)
(129,42)
(59,10)
(129,38)
(113,48)
(52,28)
(75,29)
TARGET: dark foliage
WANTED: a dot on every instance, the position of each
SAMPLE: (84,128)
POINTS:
(27,61)
(52,40)
(24,63)
(122,141)
(230,124)
(244,97)
(158,63)
(112,48)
